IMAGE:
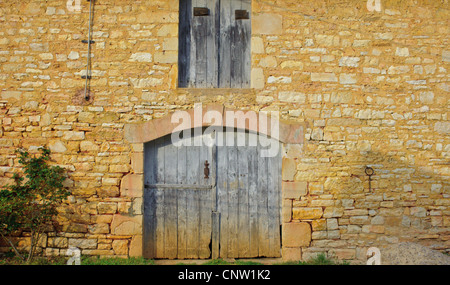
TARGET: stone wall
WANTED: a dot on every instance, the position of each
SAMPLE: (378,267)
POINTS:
(371,88)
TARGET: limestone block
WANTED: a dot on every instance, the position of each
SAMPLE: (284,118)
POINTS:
(347,78)
(11,95)
(307,213)
(402,51)
(83,243)
(137,162)
(141,57)
(120,247)
(257,45)
(57,147)
(267,24)
(136,246)
(349,61)
(99,228)
(292,97)
(296,234)
(257,78)
(132,185)
(319,225)
(288,169)
(166,57)
(293,190)
(107,208)
(291,253)
(73,136)
(126,225)
(323,77)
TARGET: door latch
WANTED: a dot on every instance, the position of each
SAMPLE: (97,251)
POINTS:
(206,170)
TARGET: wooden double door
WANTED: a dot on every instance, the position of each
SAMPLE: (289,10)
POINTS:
(211,195)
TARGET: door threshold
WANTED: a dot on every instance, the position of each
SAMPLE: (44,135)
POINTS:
(263,260)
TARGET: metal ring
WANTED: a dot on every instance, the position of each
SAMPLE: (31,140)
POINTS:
(369,171)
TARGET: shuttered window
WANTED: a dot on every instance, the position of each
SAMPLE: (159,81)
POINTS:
(214,44)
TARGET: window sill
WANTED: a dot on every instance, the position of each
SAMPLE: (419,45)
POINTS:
(216,91)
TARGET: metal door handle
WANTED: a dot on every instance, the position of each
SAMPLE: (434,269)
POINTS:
(206,170)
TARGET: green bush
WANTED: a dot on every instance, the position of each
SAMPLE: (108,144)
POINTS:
(30,203)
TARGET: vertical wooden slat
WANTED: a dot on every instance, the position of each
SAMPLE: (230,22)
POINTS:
(262,204)
(159,230)
(170,223)
(170,161)
(183,230)
(222,195)
(215,235)
(243,198)
(212,44)
(184,42)
(193,45)
(225,45)
(149,162)
(193,223)
(246,45)
(205,223)
(233,199)
(205,152)
(253,197)
(200,26)
(149,235)
(273,205)
(160,163)
(236,46)
(193,164)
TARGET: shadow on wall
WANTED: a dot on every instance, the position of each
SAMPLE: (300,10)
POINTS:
(409,199)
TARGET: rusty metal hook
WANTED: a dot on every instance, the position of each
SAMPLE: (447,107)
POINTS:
(206,170)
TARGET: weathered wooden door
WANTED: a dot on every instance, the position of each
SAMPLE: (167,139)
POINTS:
(235,212)
(249,196)
(177,199)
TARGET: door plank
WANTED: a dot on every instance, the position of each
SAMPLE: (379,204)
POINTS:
(160,163)
(262,204)
(193,223)
(149,235)
(212,27)
(246,28)
(222,194)
(205,223)
(170,161)
(159,231)
(243,197)
(184,43)
(253,198)
(199,27)
(170,223)
(236,46)
(183,230)
(273,202)
(225,45)
(233,200)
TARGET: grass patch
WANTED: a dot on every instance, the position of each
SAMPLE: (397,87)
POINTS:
(319,259)
(95,260)
(217,262)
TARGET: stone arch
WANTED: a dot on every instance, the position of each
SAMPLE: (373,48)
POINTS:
(290,135)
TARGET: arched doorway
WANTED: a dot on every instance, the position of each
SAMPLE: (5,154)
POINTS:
(212,194)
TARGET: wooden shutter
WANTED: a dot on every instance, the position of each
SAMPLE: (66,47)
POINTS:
(214,44)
